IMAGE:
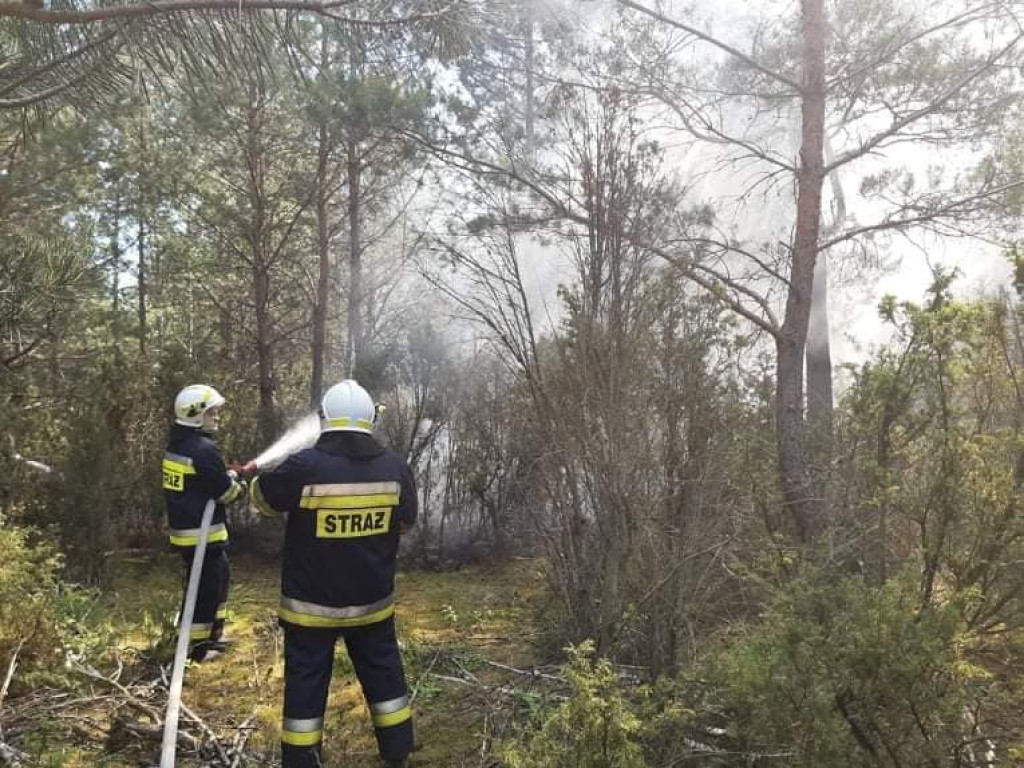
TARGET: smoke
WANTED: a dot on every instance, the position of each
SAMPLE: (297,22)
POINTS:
(302,434)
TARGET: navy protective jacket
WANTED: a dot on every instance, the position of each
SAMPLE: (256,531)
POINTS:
(193,473)
(346,501)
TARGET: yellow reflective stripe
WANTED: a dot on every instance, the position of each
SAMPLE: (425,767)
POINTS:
(169,465)
(349,502)
(231,493)
(257,498)
(301,738)
(222,611)
(392,718)
(309,620)
(190,541)
(344,421)
(200,632)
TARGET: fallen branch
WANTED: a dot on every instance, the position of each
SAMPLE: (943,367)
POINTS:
(532,672)
(459,680)
(225,757)
(8,754)
(155,732)
(10,674)
(146,707)
(419,681)
(208,732)
(242,734)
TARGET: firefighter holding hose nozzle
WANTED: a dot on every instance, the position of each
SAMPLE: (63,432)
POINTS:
(347,500)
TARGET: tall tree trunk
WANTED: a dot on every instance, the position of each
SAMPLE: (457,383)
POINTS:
(804,499)
(316,383)
(819,374)
(820,396)
(819,354)
(143,319)
(355,259)
(117,329)
(255,156)
(141,247)
(264,355)
(529,64)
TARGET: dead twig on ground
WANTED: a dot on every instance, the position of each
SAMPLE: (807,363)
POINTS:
(8,754)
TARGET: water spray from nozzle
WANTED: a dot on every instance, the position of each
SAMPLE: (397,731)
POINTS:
(301,435)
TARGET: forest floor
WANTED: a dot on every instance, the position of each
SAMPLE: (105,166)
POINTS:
(469,640)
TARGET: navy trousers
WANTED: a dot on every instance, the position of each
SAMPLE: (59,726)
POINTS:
(308,663)
(211,602)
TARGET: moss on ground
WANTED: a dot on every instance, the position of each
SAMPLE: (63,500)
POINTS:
(458,630)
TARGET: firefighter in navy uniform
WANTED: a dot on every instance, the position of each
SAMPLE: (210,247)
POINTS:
(193,473)
(347,499)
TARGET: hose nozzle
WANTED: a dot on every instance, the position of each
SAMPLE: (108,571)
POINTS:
(245,470)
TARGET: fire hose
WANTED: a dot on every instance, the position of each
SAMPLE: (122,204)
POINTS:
(170,738)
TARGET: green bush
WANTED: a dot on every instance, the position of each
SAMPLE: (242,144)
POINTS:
(844,674)
(594,728)
(41,617)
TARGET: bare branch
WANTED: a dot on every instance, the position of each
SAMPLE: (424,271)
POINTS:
(703,275)
(713,282)
(900,123)
(707,132)
(745,58)
(965,17)
(923,217)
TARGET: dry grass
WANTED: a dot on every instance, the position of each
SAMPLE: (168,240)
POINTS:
(453,628)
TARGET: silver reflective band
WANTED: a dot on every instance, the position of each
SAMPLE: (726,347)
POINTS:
(307,725)
(352,489)
(194,532)
(348,612)
(178,458)
(387,707)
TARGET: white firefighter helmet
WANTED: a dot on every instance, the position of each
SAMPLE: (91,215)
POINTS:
(347,407)
(194,401)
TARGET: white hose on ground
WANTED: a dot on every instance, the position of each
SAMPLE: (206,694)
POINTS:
(170,741)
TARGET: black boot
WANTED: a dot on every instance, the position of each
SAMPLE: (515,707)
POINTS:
(300,757)
(206,651)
